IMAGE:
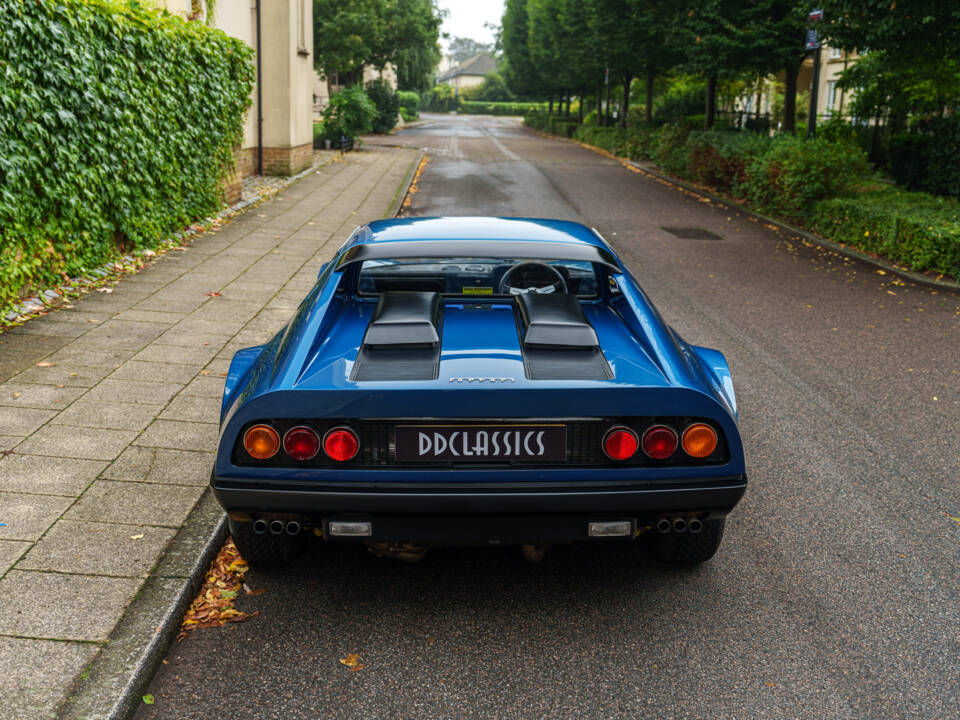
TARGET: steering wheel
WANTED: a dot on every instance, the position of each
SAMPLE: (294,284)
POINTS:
(532,275)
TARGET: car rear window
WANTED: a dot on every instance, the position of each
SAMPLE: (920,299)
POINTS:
(471,276)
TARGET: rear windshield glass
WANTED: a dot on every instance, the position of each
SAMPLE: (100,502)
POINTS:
(477,276)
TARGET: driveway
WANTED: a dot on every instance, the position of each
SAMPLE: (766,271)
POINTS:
(835,592)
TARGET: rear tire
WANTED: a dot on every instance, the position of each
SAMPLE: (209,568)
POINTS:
(689,548)
(263,548)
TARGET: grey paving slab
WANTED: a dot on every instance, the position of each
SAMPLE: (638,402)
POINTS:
(135,503)
(92,548)
(79,315)
(8,442)
(155,372)
(54,328)
(160,353)
(193,408)
(191,338)
(221,326)
(80,353)
(77,442)
(161,465)
(135,391)
(38,674)
(22,421)
(166,319)
(97,413)
(205,386)
(177,435)
(66,373)
(27,517)
(10,552)
(45,475)
(219,367)
(33,395)
(62,607)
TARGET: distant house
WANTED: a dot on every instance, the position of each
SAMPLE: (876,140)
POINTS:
(470,72)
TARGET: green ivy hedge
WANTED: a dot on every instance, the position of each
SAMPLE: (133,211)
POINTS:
(468,107)
(117,125)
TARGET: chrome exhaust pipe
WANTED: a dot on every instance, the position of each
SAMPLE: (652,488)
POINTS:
(293,528)
(260,526)
(276,527)
(664,525)
(695,525)
(679,525)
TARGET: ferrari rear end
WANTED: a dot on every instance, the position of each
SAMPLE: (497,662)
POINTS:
(403,409)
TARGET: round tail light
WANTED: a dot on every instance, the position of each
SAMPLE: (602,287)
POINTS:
(301,443)
(341,444)
(699,440)
(261,442)
(659,442)
(620,443)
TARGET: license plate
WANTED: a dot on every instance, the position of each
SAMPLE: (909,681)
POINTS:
(481,443)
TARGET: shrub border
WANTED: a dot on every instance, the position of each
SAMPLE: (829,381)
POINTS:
(730,203)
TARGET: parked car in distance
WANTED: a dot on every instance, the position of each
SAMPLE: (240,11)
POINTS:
(478,381)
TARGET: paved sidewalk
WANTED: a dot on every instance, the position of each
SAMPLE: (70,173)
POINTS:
(110,409)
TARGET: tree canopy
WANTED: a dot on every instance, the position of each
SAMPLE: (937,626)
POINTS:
(464,48)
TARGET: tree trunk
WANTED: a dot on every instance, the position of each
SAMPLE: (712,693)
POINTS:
(790,100)
(626,99)
(607,121)
(550,107)
(648,110)
(599,103)
(580,105)
(710,111)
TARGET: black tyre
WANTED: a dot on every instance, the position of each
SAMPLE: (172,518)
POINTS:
(688,548)
(263,548)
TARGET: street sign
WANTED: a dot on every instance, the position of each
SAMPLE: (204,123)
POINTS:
(813,41)
(815,16)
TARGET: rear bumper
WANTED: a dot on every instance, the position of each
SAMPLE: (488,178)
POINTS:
(641,499)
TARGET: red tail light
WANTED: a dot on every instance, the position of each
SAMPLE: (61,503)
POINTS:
(341,444)
(659,442)
(301,443)
(620,443)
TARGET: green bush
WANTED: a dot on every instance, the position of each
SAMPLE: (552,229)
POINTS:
(440,98)
(350,113)
(493,89)
(915,229)
(408,117)
(720,158)
(926,159)
(670,148)
(590,118)
(387,103)
(409,101)
(118,124)
(794,174)
(500,108)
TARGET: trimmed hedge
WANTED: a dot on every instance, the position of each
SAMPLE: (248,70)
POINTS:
(468,107)
(915,229)
(387,102)
(117,125)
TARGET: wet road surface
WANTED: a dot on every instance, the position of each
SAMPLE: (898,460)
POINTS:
(834,594)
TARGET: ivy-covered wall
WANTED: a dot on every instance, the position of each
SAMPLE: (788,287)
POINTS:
(117,124)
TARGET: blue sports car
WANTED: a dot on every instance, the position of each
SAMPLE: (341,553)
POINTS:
(477,381)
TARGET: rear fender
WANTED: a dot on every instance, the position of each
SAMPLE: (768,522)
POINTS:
(240,366)
(718,373)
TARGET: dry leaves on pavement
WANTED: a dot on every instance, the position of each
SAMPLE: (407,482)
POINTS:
(213,606)
(352,661)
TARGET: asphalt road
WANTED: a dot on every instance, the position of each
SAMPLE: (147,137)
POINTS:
(835,594)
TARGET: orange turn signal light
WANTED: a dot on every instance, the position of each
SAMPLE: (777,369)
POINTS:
(699,440)
(261,442)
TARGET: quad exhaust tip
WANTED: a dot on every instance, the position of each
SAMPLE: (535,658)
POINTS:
(260,526)
(679,524)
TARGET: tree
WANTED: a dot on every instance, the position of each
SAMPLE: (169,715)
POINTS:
(463,48)
(343,34)
(519,70)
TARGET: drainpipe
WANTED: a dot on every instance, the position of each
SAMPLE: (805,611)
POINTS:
(259,100)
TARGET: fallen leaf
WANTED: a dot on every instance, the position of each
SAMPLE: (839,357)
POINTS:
(352,661)
(138,536)
(148,699)
(73,374)
(249,591)
(16,395)
(770,684)
(214,294)
(105,290)
(45,364)
(228,594)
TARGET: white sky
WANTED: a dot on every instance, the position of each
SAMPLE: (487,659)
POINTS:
(465,18)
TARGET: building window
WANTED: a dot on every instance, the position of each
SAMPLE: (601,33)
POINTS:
(829,102)
(836,53)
